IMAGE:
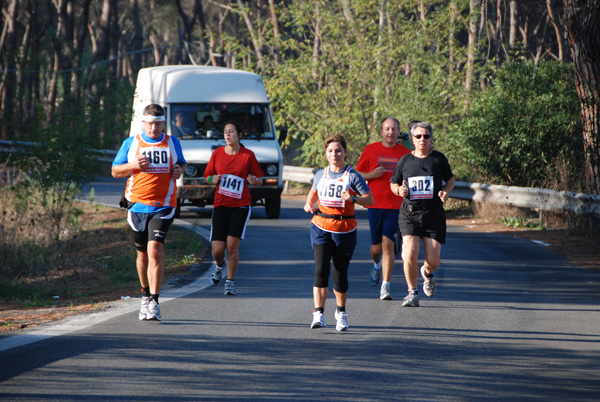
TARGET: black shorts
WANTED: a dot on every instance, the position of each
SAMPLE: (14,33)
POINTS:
(150,227)
(423,223)
(228,221)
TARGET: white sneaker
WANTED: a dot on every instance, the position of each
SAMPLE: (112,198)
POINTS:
(318,320)
(384,293)
(153,310)
(342,320)
(229,288)
(217,274)
(144,309)
(428,283)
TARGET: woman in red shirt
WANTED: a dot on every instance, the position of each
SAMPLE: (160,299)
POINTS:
(231,168)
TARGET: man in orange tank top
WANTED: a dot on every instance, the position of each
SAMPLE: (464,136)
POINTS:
(153,161)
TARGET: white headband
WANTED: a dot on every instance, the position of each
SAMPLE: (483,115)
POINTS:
(152,118)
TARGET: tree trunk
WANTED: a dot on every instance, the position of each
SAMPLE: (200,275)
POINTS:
(472,43)
(559,40)
(276,33)
(255,42)
(582,24)
(316,46)
(137,40)
(7,41)
(512,32)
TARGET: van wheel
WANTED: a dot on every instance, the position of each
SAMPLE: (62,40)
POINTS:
(272,207)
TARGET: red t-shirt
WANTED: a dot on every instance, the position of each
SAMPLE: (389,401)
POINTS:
(232,190)
(375,155)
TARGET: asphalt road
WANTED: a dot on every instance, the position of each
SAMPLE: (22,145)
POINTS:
(509,322)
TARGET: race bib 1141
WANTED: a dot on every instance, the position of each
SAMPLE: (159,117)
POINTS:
(231,186)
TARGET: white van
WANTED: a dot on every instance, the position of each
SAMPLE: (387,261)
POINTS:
(198,100)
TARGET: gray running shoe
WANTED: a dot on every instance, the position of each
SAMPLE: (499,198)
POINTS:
(375,276)
(144,309)
(428,283)
(217,275)
(318,320)
(341,319)
(229,288)
(412,300)
(153,310)
(384,293)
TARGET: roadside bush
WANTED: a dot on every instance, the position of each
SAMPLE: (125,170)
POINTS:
(523,131)
(56,161)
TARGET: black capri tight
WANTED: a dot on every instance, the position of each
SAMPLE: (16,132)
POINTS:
(324,253)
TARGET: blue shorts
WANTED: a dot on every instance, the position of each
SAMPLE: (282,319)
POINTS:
(383,222)
(343,242)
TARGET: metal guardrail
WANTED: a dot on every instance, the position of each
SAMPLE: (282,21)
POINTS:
(534,198)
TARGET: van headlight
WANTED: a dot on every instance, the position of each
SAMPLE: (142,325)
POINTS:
(271,170)
(191,170)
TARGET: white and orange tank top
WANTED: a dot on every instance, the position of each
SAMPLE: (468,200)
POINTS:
(153,185)
(331,203)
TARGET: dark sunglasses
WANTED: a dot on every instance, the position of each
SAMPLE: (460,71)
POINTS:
(418,136)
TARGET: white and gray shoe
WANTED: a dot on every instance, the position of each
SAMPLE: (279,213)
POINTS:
(428,283)
(153,310)
(341,318)
(144,309)
(217,274)
(229,288)
(318,320)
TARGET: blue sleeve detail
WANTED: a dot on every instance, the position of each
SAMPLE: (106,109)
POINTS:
(179,151)
(121,157)
(357,183)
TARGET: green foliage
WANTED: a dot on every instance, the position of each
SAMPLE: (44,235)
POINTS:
(521,222)
(343,71)
(120,266)
(33,295)
(522,130)
(59,160)
(182,247)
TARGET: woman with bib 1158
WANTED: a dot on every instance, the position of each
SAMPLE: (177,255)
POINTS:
(336,189)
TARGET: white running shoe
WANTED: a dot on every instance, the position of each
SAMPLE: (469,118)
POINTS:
(217,274)
(384,293)
(428,283)
(411,300)
(342,320)
(144,309)
(229,288)
(318,320)
(153,310)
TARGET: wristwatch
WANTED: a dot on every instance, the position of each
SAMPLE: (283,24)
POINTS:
(353,199)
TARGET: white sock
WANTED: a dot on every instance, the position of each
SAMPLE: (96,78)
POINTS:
(377,266)
(385,283)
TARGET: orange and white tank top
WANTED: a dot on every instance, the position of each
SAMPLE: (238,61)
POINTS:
(153,185)
(331,203)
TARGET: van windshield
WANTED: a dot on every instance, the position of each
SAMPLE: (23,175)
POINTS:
(204,121)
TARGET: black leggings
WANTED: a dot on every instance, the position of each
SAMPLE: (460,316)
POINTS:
(324,253)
